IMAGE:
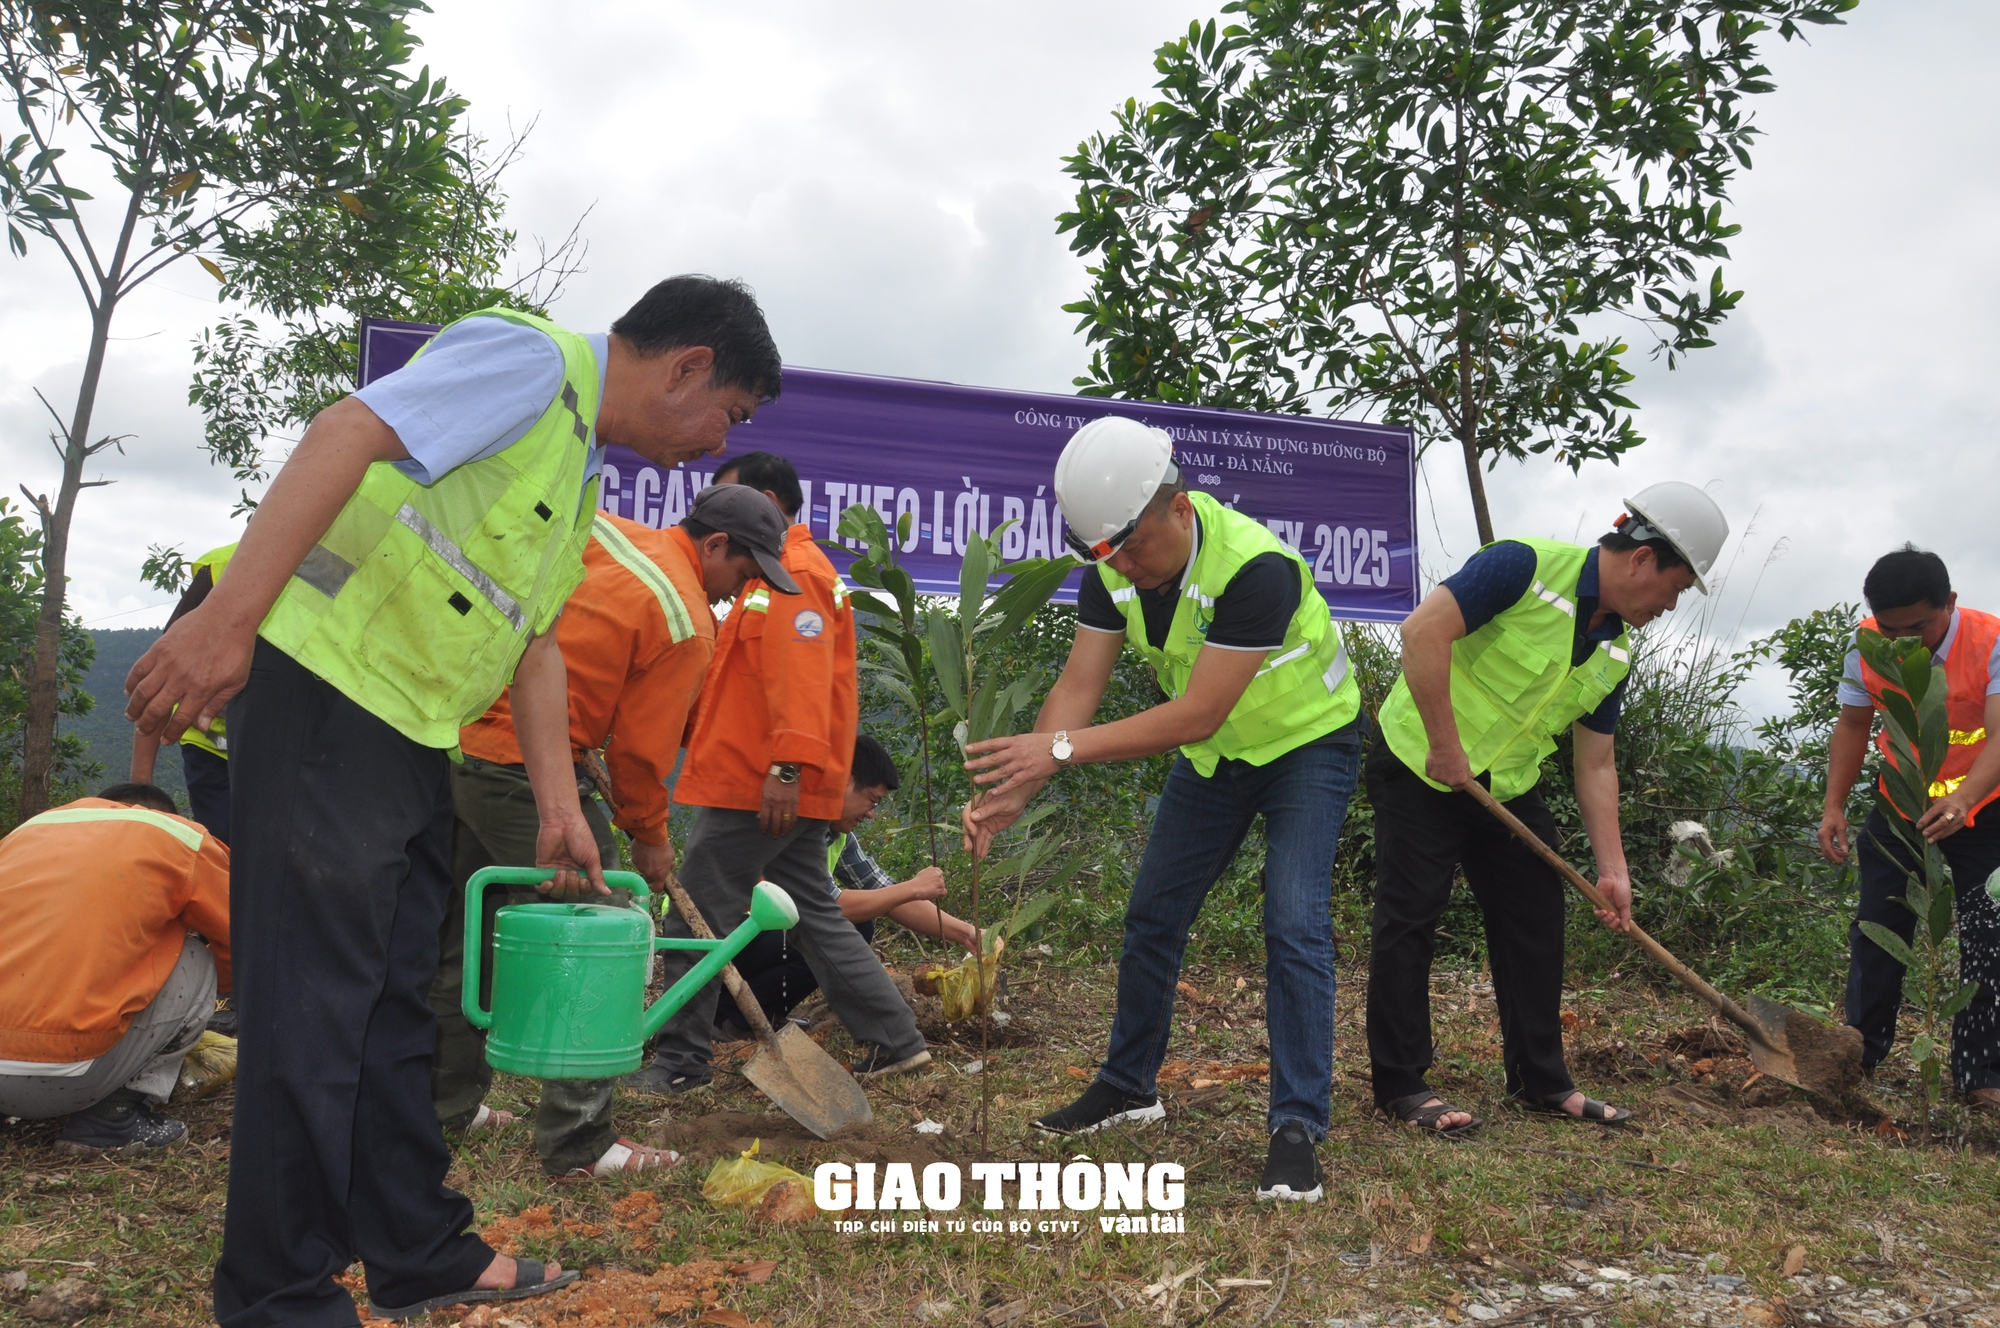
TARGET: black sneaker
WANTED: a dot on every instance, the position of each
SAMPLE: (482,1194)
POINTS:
(223,1021)
(1102,1105)
(660,1081)
(122,1123)
(1291,1168)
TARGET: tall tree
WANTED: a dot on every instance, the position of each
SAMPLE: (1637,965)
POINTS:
(200,115)
(20,605)
(1446,211)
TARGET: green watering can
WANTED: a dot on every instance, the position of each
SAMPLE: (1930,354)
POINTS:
(569,980)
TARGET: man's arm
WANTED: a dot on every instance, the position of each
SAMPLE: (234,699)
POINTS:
(1070,704)
(199,663)
(1597,799)
(909,902)
(1846,749)
(1946,816)
(539,699)
(145,756)
(1428,635)
(798,694)
(647,722)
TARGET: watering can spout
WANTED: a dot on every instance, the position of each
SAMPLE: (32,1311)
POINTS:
(771,909)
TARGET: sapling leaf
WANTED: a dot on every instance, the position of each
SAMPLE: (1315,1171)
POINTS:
(1034,817)
(981,714)
(1029,586)
(948,659)
(1915,674)
(1891,942)
(1029,913)
(1958,1000)
(903,523)
(972,574)
(897,582)
(868,603)
(862,522)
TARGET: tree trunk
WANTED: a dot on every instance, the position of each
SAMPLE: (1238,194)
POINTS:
(1468,406)
(38,752)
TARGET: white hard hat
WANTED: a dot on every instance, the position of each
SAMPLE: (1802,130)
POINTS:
(1107,473)
(1684,517)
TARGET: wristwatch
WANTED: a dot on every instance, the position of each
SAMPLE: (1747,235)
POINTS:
(1062,749)
(786,772)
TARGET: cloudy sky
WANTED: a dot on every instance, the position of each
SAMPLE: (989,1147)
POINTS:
(886,175)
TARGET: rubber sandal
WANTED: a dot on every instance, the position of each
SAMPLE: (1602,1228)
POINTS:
(1594,1112)
(624,1158)
(530,1279)
(1412,1112)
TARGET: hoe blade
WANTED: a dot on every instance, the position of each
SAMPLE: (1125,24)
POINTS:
(807,1084)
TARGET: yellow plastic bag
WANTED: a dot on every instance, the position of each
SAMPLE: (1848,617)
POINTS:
(207,1068)
(968,989)
(742,1180)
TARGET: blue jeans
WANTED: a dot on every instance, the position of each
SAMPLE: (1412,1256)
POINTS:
(1201,823)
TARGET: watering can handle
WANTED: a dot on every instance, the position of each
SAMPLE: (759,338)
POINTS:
(475,917)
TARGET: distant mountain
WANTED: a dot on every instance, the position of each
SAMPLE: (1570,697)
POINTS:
(105,728)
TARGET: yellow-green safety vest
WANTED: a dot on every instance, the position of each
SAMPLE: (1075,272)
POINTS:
(835,846)
(1304,690)
(216,740)
(419,600)
(1513,689)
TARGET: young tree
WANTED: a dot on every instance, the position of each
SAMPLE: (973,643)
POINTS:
(20,605)
(201,114)
(1427,208)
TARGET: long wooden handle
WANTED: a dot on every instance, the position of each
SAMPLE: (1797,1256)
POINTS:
(1730,1009)
(739,990)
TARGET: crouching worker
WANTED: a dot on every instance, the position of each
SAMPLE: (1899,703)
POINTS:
(107,983)
(636,639)
(1528,639)
(1266,714)
(776,972)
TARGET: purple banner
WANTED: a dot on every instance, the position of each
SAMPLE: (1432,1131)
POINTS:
(964,459)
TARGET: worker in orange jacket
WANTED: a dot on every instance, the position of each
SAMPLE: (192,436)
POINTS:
(105,980)
(767,771)
(636,638)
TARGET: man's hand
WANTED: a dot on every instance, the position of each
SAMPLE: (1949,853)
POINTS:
(991,815)
(655,862)
(1013,762)
(961,932)
(1946,816)
(927,884)
(189,675)
(567,845)
(1448,766)
(1617,891)
(1833,835)
(779,815)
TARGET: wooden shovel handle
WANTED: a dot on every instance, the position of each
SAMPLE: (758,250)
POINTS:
(1729,1008)
(739,990)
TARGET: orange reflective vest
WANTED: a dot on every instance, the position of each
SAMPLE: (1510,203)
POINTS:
(1966,677)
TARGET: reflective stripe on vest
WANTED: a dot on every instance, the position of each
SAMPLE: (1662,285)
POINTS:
(1302,690)
(628,555)
(216,740)
(1966,679)
(187,834)
(419,600)
(757,601)
(1513,688)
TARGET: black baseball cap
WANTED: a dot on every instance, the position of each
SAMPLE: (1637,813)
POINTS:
(752,520)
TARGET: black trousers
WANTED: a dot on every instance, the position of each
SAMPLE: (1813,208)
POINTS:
(1422,836)
(778,976)
(207,777)
(1875,980)
(337,885)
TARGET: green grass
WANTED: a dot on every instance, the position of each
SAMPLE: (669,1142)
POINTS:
(1726,1180)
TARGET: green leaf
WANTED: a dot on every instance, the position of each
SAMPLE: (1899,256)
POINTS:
(948,660)
(1029,913)
(972,574)
(1029,586)
(1958,1000)
(1897,949)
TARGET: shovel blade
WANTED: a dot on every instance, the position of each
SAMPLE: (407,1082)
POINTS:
(1804,1051)
(807,1084)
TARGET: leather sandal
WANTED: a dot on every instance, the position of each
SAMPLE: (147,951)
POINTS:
(1413,1112)
(624,1158)
(531,1278)
(489,1118)
(1986,1100)
(1594,1112)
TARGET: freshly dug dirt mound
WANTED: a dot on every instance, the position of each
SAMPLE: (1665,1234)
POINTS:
(1828,1056)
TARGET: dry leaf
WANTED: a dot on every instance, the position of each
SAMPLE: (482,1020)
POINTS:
(1706,1065)
(1422,1244)
(180,184)
(759,1271)
(1886,1129)
(16,1281)
(787,1201)
(352,204)
(1763,1314)
(725,1319)
(1795,1260)
(1076,1072)
(1569,1019)
(67,1301)
(1004,1314)
(213,270)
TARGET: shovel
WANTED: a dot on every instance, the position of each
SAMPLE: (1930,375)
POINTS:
(1785,1043)
(789,1067)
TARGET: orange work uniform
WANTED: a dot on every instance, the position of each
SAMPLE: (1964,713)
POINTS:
(98,911)
(636,640)
(783,690)
(1966,680)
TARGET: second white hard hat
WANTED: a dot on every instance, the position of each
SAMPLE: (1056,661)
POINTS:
(1684,517)
(1107,473)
